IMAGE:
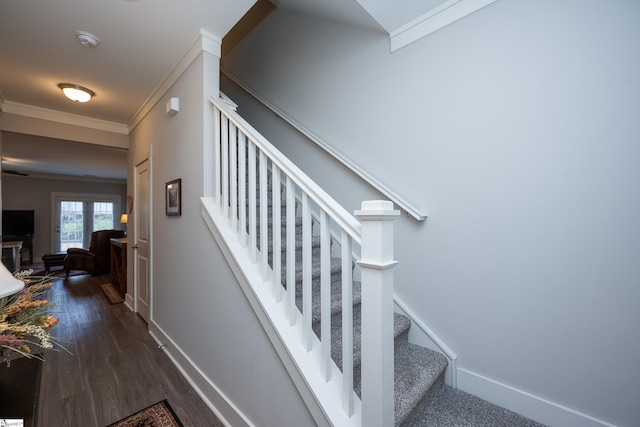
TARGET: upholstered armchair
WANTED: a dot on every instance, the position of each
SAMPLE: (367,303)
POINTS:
(94,260)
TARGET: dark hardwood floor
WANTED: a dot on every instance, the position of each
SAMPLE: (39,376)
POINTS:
(116,368)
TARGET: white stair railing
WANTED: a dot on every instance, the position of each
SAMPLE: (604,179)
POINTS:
(248,174)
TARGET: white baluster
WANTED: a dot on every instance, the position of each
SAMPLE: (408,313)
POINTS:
(325,296)
(276,228)
(347,324)
(233,171)
(252,204)
(225,168)
(264,218)
(376,265)
(242,189)
(306,273)
(216,155)
(291,252)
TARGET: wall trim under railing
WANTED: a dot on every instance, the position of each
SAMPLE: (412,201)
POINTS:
(452,368)
(398,200)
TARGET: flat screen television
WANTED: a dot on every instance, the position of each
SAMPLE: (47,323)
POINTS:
(17,223)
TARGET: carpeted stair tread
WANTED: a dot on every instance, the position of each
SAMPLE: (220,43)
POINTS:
(335,304)
(450,407)
(335,270)
(417,370)
(283,226)
(283,217)
(315,243)
(401,325)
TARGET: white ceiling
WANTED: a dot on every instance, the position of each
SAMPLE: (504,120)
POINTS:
(384,15)
(349,11)
(140,41)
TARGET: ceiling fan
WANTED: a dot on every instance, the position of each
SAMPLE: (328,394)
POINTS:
(11,171)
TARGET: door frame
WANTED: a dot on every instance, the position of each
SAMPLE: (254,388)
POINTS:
(133,244)
(86,198)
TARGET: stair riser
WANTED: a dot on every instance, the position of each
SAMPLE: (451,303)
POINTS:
(424,402)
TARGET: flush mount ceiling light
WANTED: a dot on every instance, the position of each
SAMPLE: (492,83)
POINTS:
(76,93)
(87,39)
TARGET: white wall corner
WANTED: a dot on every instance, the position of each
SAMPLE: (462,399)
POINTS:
(523,403)
(439,17)
(204,42)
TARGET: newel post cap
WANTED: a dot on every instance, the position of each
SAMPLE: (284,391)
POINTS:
(376,210)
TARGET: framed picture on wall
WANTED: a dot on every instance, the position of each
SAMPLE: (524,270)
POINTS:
(174,197)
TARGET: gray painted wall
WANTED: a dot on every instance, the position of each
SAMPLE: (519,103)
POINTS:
(30,193)
(196,300)
(516,129)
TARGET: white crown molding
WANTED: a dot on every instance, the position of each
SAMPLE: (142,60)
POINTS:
(34,112)
(205,42)
(439,17)
(75,178)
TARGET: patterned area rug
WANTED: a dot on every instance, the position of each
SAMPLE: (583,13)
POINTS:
(56,272)
(158,415)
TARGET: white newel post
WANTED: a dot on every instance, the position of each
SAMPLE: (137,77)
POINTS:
(376,265)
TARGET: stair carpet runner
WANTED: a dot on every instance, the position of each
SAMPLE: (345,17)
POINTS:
(421,396)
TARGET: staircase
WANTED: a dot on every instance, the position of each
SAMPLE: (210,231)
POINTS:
(418,370)
(311,270)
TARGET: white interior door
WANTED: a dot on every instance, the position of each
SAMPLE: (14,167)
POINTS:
(141,246)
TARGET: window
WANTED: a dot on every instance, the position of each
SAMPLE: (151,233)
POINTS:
(77,215)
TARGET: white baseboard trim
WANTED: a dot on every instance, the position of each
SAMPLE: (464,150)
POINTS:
(222,407)
(128,301)
(521,402)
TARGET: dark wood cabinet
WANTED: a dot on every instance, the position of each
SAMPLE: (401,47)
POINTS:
(27,244)
(119,264)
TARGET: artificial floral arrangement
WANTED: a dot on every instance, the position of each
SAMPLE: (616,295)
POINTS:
(24,322)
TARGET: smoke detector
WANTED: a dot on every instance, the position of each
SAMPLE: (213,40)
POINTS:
(87,39)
